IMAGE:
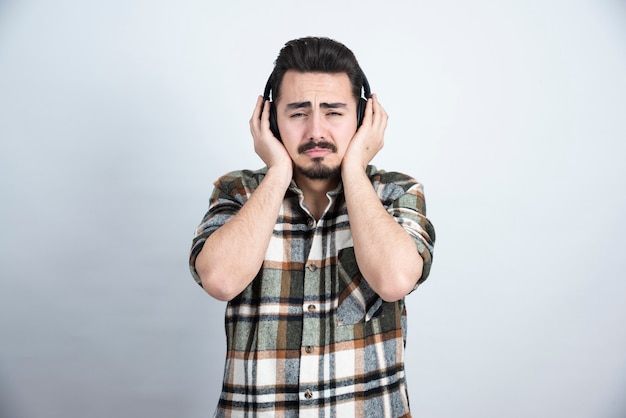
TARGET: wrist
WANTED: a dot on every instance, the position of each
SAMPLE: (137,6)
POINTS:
(281,173)
(350,168)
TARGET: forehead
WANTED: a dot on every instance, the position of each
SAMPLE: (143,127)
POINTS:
(298,85)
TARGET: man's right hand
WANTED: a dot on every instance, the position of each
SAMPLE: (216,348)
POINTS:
(266,145)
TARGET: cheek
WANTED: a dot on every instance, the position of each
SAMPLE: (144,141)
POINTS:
(291,145)
(290,132)
(345,136)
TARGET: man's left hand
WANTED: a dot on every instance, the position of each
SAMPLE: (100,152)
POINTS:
(369,138)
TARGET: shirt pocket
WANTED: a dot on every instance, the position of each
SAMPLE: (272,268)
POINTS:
(357,302)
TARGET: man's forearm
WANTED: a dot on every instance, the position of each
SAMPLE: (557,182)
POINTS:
(386,254)
(232,255)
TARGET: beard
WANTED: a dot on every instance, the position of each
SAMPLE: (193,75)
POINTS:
(319,171)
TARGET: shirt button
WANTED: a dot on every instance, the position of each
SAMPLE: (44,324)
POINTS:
(308,349)
(308,394)
(311,308)
(312,267)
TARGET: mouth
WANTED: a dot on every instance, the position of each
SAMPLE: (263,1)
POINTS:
(317,152)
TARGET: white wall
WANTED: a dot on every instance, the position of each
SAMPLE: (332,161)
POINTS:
(116,117)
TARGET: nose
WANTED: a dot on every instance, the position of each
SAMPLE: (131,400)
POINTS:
(316,126)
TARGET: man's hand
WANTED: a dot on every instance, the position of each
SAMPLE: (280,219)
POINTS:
(369,138)
(266,145)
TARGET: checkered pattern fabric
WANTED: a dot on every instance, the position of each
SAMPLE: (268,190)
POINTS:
(309,337)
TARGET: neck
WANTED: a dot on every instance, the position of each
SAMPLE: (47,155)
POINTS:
(314,192)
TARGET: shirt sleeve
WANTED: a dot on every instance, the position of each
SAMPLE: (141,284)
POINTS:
(229,195)
(403,197)
(411,214)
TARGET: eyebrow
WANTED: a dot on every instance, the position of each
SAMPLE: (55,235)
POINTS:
(324,105)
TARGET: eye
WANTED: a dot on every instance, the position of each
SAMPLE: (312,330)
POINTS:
(297,115)
(334,113)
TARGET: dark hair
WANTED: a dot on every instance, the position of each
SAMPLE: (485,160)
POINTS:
(314,54)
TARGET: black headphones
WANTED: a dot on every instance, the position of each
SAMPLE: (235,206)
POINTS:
(360,108)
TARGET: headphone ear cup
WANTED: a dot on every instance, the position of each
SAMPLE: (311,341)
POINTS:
(274,121)
(360,111)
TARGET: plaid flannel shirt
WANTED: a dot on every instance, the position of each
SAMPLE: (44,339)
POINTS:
(308,337)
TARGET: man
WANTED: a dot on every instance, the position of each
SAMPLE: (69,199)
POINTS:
(315,252)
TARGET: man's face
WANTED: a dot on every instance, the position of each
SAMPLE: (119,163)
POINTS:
(316,115)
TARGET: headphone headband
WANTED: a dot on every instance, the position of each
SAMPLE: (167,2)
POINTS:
(267,92)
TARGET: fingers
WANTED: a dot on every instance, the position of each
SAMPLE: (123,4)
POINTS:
(378,113)
(259,122)
(255,120)
(258,108)
(375,117)
(266,146)
(369,138)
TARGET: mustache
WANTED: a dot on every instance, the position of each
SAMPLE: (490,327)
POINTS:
(321,144)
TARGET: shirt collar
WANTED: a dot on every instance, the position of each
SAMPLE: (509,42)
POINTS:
(331,194)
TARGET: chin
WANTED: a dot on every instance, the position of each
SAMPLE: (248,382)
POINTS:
(320,172)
